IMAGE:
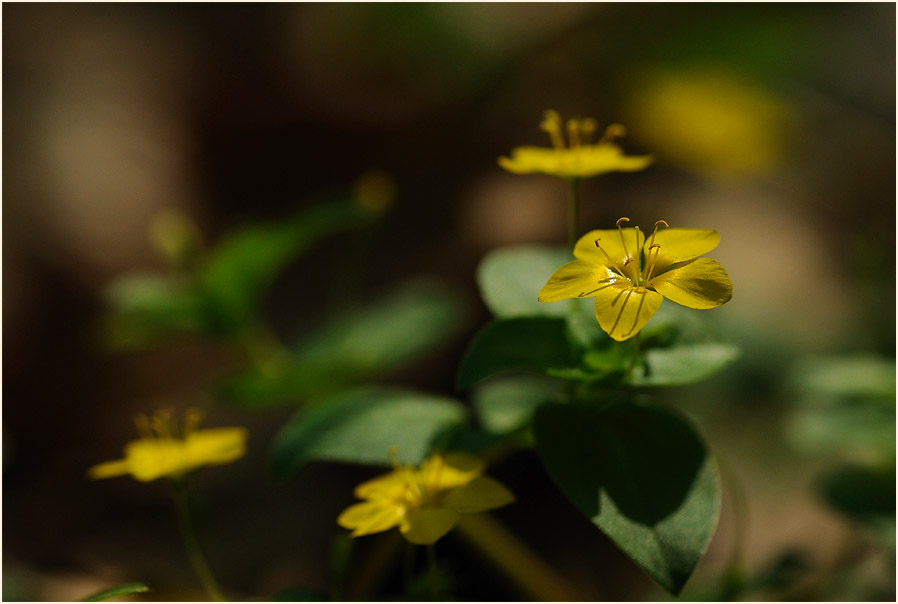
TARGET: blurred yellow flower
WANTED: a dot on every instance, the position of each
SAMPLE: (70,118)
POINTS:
(579,159)
(629,276)
(712,122)
(161,452)
(425,502)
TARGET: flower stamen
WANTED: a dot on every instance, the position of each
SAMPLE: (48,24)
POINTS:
(612,132)
(552,124)
(587,129)
(649,267)
(573,133)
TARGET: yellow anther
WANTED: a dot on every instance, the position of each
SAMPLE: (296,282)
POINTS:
(601,249)
(651,266)
(573,133)
(192,419)
(552,124)
(612,132)
(162,424)
(587,128)
(143,426)
(655,232)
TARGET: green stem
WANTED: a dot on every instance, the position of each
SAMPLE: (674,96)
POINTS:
(573,211)
(536,579)
(635,358)
(191,543)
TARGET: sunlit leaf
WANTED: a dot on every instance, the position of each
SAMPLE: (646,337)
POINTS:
(510,279)
(642,475)
(360,427)
(507,404)
(679,365)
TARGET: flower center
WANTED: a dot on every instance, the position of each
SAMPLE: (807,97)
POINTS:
(579,131)
(629,264)
(162,426)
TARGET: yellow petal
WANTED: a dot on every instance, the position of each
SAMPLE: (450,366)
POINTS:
(701,284)
(678,245)
(149,459)
(598,159)
(575,279)
(370,517)
(479,495)
(610,251)
(441,472)
(424,526)
(622,310)
(215,446)
(108,469)
(386,486)
(578,162)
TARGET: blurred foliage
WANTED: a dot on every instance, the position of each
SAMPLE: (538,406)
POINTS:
(116,592)
(361,426)
(354,346)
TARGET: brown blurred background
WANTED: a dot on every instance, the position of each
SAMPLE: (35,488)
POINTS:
(772,123)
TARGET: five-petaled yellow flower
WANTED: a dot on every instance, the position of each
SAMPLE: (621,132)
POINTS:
(425,502)
(629,276)
(162,452)
(580,159)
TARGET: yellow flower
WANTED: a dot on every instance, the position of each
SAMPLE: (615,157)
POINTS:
(425,502)
(161,452)
(629,276)
(580,159)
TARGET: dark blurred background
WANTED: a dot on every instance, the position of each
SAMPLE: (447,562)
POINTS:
(771,123)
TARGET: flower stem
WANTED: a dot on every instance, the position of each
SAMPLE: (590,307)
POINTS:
(536,579)
(573,211)
(194,553)
(635,358)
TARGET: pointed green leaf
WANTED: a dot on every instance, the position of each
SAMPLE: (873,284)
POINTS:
(361,426)
(116,592)
(642,475)
(522,344)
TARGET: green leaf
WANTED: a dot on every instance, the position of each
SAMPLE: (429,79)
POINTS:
(356,346)
(238,271)
(522,344)
(148,308)
(361,426)
(861,376)
(384,334)
(642,475)
(862,493)
(507,404)
(862,428)
(685,364)
(116,592)
(510,279)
